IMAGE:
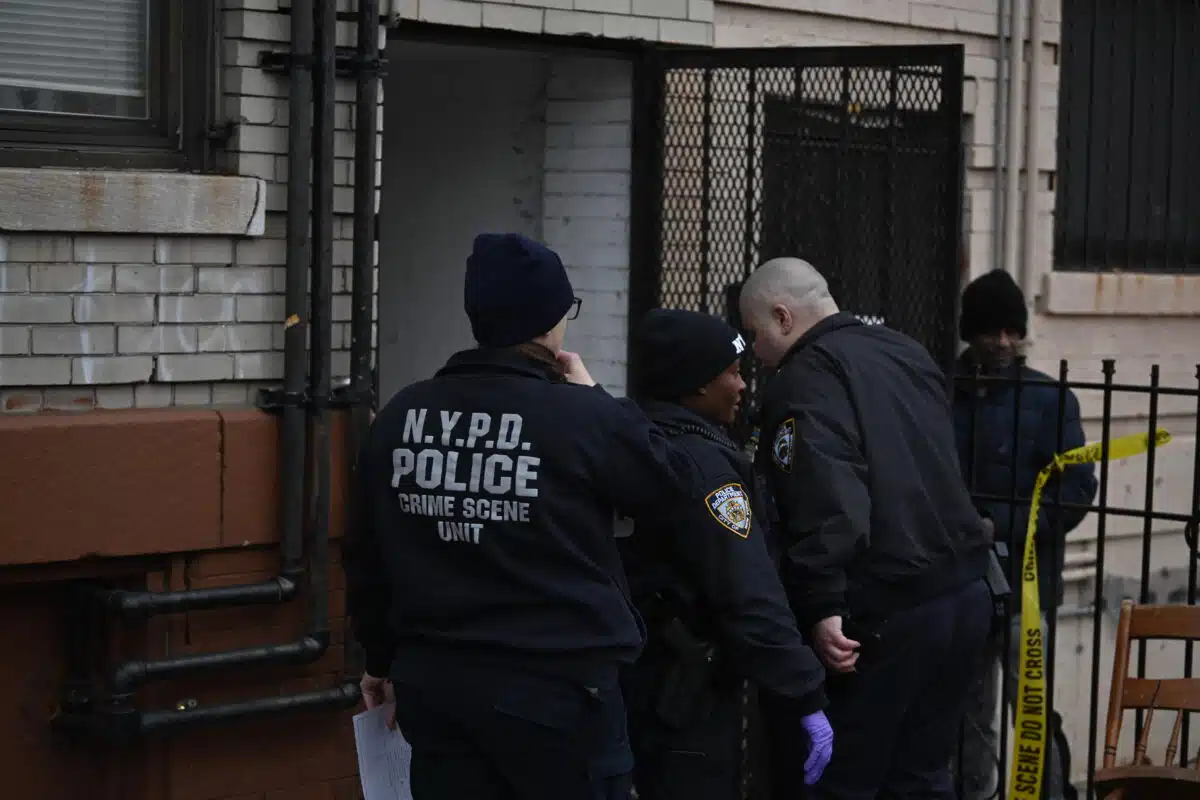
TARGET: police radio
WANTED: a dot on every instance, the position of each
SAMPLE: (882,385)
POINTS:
(998,585)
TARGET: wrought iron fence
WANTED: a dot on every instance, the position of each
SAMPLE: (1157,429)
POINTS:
(1138,539)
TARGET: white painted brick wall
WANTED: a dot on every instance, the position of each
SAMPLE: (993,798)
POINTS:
(144,321)
(675,21)
(586,201)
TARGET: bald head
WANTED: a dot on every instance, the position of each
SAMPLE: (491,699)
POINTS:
(780,301)
(791,282)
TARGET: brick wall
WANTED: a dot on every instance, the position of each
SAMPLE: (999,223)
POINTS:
(172,499)
(675,21)
(585,216)
(305,756)
(143,321)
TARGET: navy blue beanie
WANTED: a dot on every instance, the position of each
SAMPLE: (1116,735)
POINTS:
(992,303)
(677,352)
(516,289)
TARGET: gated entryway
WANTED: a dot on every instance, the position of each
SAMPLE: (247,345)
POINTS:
(848,157)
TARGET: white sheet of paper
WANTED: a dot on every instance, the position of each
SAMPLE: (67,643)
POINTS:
(384,757)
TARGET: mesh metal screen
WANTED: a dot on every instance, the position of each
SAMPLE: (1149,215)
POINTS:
(847,157)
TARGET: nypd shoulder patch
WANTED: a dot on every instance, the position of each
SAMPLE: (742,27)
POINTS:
(730,506)
(781,448)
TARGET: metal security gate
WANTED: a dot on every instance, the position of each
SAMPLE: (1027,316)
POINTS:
(848,157)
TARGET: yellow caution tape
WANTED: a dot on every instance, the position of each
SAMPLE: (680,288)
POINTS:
(1029,749)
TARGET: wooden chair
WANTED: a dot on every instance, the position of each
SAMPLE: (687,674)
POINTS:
(1143,780)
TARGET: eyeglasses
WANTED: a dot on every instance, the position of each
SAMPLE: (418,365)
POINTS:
(576,304)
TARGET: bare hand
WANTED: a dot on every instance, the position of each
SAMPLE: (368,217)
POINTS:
(377,692)
(573,369)
(836,651)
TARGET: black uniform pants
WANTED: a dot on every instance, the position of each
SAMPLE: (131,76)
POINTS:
(520,739)
(700,761)
(896,718)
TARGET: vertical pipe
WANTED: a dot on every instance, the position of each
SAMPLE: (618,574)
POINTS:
(645,223)
(1098,599)
(293,432)
(362,290)
(1037,37)
(1012,157)
(998,133)
(366,138)
(321,355)
(1147,531)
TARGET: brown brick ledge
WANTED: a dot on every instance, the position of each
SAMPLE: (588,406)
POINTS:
(141,482)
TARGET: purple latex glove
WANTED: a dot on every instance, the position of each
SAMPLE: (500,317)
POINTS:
(820,750)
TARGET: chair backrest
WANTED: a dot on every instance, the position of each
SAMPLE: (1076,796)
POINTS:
(1174,622)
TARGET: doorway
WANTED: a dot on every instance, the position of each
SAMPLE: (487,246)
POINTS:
(502,139)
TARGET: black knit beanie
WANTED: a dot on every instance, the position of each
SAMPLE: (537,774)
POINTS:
(992,303)
(678,352)
(516,289)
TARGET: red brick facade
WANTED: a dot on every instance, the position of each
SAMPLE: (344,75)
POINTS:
(179,499)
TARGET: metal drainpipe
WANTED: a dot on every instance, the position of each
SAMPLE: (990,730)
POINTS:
(127,677)
(998,131)
(366,140)
(295,343)
(312,24)
(1012,167)
(321,352)
(119,719)
(1037,37)
(293,432)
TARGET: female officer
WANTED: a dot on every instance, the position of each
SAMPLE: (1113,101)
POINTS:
(704,580)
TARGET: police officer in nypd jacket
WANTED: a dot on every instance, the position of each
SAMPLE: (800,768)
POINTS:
(702,575)
(886,556)
(485,580)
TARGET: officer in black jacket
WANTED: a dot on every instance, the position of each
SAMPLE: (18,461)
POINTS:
(703,577)
(886,556)
(485,580)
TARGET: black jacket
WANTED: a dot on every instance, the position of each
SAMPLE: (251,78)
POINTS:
(711,554)
(858,441)
(1011,437)
(489,494)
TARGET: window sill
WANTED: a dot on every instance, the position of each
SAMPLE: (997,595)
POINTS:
(1113,294)
(131,202)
